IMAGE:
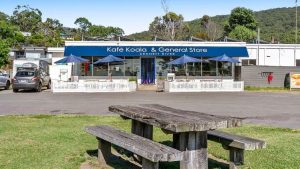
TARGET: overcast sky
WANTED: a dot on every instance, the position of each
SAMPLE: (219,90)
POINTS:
(135,15)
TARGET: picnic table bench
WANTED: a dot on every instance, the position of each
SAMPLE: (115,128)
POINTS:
(235,144)
(190,131)
(189,128)
(150,151)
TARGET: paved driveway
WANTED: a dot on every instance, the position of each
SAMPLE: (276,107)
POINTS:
(279,109)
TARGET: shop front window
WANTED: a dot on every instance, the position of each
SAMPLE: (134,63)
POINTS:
(132,66)
(162,68)
(225,69)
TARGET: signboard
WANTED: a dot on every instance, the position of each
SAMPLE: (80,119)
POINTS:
(196,51)
(295,80)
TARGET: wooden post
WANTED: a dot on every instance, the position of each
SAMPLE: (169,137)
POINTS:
(176,141)
(146,164)
(194,145)
(236,156)
(104,151)
(142,129)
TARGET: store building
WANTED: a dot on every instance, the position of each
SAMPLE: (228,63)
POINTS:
(147,60)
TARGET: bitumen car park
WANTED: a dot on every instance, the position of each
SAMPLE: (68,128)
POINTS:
(31,79)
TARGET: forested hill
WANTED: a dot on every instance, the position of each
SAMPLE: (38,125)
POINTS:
(277,24)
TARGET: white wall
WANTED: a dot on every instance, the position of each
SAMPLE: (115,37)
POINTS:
(274,54)
(60,72)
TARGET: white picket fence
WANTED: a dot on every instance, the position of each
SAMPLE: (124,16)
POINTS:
(93,86)
(205,86)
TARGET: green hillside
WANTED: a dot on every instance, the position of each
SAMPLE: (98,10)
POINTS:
(275,24)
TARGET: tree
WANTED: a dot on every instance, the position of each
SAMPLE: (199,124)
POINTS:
(169,26)
(242,33)
(4,50)
(84,25)
(212,30)
(49,33)
(240,16)
(50,27)
(10,34)
(27,18)
(3,17)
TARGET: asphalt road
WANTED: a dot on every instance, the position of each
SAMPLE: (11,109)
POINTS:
(277,109)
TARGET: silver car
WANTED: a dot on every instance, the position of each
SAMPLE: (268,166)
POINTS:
(31,79)
(4,80)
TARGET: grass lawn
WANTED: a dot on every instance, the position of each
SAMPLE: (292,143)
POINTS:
(269,89)
(45,141)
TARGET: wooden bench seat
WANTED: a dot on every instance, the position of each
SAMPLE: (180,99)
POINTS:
(235,144)
(150,151)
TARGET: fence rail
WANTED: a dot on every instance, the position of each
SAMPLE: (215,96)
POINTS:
(205,86)
(91,87)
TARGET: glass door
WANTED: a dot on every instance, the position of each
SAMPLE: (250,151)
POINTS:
(148,70)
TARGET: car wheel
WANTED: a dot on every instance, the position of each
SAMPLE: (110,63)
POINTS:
(7,85)
(39,88)
(49,85)
(15,90)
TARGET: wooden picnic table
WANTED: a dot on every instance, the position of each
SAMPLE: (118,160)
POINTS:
(189,128)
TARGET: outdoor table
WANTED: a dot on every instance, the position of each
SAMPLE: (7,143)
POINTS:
(189,128)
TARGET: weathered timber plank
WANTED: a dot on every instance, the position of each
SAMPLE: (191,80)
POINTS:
(231,121)
(236,141)
(194,145)
(143,147)
(175,120)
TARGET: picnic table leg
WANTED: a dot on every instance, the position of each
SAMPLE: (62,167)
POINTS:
(146,164)
(194,145)
(142,129)
(104,151)
(236,156)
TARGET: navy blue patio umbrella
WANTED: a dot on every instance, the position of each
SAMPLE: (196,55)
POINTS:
(184,60)
(224,58)
(109,59)
(71,59)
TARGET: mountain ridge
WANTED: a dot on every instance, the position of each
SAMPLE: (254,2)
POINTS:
(276,25)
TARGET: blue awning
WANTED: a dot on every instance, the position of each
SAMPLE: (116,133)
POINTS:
(136,51)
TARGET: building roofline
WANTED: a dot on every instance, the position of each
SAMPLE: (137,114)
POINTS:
(151,43)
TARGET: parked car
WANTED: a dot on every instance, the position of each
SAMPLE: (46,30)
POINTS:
(31,79)
(4,80)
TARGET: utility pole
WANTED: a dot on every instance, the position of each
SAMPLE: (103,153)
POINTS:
(296,35)
(258,42)
(296,38)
